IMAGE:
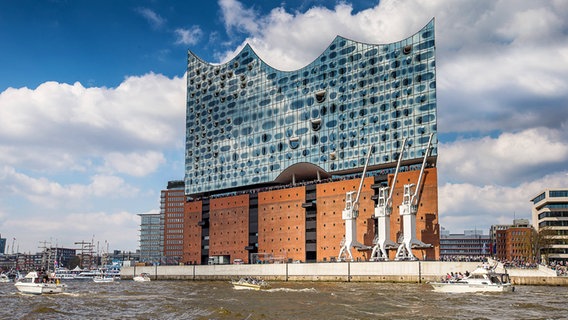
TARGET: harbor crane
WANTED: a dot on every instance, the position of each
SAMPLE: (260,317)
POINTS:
(408,210)
(350,214)
(383,211)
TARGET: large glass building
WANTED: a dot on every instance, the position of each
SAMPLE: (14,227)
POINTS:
(250,124)
(271,154)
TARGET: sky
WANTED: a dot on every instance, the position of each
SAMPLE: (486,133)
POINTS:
(92,101)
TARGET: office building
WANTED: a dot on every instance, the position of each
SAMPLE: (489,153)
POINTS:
(468,246)
(151,238)
(271,154)
(172,215)
(550,220)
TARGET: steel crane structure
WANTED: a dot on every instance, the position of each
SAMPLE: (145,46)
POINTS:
(383,211)
(350,214)
(408,210)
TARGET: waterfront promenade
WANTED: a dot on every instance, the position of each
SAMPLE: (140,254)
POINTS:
(390,271)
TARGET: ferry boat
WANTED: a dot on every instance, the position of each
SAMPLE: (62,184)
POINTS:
(34,284)
(481,280)
(250,283)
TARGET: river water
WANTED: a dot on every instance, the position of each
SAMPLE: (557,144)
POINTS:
(127,299)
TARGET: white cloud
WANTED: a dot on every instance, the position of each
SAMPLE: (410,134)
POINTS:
(188,36)
(135,164)
(510,158)
(235,16)
(59,126)
(52,194)
(152,17)
(467,206)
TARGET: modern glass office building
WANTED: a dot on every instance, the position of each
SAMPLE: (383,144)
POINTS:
(250,124)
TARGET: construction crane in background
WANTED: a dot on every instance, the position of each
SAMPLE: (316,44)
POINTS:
(408,210)
(383,211)
(350,214)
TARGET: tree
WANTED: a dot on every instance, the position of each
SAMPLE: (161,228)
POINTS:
(542,240)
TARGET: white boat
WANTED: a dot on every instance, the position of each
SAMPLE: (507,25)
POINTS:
(4,278)
(66,274)
(143,277)
(34,284)
(103,279)
(481,280)
(87,275)
(249,283)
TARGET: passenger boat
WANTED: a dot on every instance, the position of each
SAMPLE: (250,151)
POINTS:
(143,277)
(34,284)
(103,279)
(249,283)
(481,280)
(87,275)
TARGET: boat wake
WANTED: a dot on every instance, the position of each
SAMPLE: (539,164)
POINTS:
(313,290)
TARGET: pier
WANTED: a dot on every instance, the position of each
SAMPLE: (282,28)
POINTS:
(391,271)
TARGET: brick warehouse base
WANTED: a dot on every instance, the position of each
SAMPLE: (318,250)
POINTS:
(304,222)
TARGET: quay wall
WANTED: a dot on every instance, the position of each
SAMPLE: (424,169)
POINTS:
(390,271)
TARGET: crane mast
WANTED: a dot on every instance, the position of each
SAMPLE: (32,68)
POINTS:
(350,214)
(383,211)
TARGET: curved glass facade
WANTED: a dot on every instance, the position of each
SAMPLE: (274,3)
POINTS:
(247,121)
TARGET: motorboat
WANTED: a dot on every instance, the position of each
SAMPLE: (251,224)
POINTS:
(4,278)
(481,279)
(249,283)
(33,283)
(143,277)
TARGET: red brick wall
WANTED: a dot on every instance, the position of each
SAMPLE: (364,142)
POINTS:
(281,223)
(192,233)
(228,226)
(330,225)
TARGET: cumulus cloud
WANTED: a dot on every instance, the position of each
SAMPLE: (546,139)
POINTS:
(59,126)
(42,191)
(468,206)
(510,158)
(66,148)
(188,36)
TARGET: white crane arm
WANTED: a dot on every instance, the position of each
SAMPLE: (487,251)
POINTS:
(388,202)
(414,198)
(356,202)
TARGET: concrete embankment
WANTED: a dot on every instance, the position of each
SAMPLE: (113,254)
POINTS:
(390,271)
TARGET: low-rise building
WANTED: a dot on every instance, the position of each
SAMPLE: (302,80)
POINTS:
(468,246)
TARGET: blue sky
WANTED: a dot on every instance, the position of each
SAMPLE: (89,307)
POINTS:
(92,101)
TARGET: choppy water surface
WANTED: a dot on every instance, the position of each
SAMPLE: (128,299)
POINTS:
(286,300)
